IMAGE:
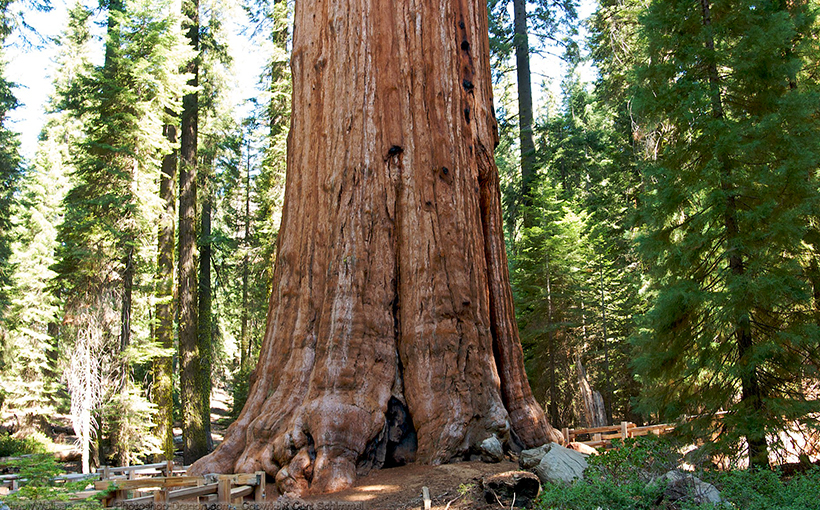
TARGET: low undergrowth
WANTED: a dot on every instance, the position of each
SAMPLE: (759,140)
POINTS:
(630,477)
(11,446)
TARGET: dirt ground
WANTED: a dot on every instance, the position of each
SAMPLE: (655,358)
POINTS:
(452,486)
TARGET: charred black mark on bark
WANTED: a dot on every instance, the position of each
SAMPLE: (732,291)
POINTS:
(465,45)
(467,114)
(461,25)
(444,175)
(373,455)
(468,85)
(401,434)
(394,150)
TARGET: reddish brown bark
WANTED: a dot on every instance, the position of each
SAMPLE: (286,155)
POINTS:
(390,333)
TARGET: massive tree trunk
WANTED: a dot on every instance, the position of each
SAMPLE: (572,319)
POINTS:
(390,334)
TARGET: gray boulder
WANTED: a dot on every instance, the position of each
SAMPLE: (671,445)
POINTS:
(683,486)
(552,462)
(531,458)
(491,450)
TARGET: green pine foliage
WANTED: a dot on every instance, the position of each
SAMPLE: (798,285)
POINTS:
(10,166)
(31,376)
(107,239)
(727,208)
(548,278)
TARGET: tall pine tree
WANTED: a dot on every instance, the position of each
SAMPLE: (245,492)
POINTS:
(727,209)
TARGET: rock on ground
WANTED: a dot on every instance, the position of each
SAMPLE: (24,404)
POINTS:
(682,486)
(518,488)
(491,450)
(552,462)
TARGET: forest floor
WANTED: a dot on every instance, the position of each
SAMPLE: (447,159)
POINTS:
(452,486)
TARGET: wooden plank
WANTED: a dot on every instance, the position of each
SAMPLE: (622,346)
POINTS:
(192,492)
(142,499)
(237,493)
(125,469)
(144,483)
(188,492)
(241,478)
(600,430)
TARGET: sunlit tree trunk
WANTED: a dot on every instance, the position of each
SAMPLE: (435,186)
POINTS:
(163,367)
(391,335)
(195,415)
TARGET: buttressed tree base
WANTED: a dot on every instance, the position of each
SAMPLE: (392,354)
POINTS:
(391,336)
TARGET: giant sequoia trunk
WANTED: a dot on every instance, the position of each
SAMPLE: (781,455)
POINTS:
(390,333)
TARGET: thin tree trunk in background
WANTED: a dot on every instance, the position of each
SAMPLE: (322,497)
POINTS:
(244,334)
(194,435)
(205,297)
(751,391)
(553,407)
(163,367)
(525,109)
(608,401)
(391,335)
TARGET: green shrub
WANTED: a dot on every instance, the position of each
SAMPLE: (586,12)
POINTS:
(13,447)
(764,489)
(623,478)
(628,477)
(37,485)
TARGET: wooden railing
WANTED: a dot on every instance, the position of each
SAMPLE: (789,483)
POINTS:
(160,483)
(231,489)
(603,436)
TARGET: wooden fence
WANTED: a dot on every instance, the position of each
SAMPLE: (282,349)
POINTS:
(160,483)
(231,489)
(603,436)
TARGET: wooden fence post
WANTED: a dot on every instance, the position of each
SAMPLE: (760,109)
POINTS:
(223,489)
(624,430)
(161,496)
(565,433)
(259,492)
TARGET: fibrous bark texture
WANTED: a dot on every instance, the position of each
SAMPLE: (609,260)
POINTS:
(390,334)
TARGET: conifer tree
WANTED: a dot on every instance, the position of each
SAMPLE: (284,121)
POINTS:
(110,208)
(728,205)
(194,381)
(31,376)
(10,165)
